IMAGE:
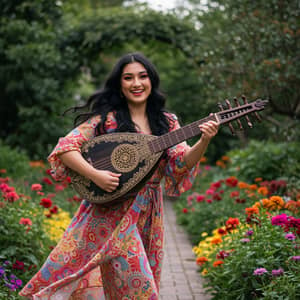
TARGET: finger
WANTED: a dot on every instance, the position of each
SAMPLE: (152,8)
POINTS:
(115,174)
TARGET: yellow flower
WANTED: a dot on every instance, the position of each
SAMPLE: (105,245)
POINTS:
(204,234)
(57,224)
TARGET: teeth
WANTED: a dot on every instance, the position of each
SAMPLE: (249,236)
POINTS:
(140,91)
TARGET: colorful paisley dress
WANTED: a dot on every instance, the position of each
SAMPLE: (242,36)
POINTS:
(113,252)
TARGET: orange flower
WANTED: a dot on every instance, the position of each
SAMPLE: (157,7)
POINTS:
(218,263)
(265,202)
(220,164)
(277,202)
(200,261)
(293,206)
(251,211)
(203,159)
(263,190)
(256,204)
(243,185)
(216,241)
(37,164)
(253,187)
(258,179)
(225,158)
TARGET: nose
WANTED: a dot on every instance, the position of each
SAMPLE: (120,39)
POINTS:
(136,81)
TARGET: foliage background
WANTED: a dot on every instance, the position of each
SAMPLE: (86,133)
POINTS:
(54,55)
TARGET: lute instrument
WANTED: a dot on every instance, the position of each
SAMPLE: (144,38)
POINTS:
(136,155)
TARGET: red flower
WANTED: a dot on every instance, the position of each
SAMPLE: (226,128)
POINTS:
(11,196)
(48,171)
(46,202)
(217,197)
(222,254)
(47,180)
(185,210)
(18,265)
(234,194)
(2,171)
(222,231)
(54,209)
(59,187)
(209,200)
(216,185)
(36,187)
(218,263)
(200,198)
(25,221)
(231,181)
(232,223)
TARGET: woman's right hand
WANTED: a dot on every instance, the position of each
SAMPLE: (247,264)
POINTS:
(106,180)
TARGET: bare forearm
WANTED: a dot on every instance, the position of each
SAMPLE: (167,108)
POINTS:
(195,153)
(75,161)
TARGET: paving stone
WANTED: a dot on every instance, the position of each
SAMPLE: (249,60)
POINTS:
(180,278)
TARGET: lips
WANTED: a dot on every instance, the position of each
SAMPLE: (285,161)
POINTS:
(137,92)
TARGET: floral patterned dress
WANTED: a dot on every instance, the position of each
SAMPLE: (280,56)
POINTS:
(111,252)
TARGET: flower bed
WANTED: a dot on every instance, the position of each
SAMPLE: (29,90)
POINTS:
(33,216)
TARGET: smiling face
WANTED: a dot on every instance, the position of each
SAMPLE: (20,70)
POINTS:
(135,84)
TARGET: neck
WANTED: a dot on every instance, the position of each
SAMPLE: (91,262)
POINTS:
(137,111)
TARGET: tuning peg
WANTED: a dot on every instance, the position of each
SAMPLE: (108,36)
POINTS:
(257,116)
(247,118)
(237,103)
(229,124)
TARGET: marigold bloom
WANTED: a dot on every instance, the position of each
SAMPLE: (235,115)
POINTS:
(242,185)
(220,164)
(218,263)
(216,241)
(201,260)
(263,190)
(276,202)
(253,187)
(293,206)
(225,158)
(251,211)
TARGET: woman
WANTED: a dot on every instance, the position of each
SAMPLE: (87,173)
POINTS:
(116,252)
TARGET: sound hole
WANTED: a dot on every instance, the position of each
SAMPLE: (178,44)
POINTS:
(125,158)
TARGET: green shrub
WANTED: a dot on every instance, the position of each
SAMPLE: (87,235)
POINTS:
(268,160)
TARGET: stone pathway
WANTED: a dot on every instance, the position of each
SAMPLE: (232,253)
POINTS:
(180,279)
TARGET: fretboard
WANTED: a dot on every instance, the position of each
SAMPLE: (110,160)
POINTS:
(177,136)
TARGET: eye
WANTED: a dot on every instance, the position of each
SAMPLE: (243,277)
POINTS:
(127,77)
(143,76)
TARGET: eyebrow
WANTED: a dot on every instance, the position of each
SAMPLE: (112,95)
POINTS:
(132,73)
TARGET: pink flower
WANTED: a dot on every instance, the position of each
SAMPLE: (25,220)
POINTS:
(36,187)
(280,220)
(25,221)
(210,192)
(200,198)
(290,236)
(11,196)
(59,187)
(277,272)
(260,271)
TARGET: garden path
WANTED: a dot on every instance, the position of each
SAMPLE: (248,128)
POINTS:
(180,279)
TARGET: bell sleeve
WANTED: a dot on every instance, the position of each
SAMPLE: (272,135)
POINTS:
(178,178)
(72,141)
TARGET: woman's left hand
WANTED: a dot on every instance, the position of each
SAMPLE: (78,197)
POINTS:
(209,129)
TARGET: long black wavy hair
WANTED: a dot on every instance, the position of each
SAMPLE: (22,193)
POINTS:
(109,99)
